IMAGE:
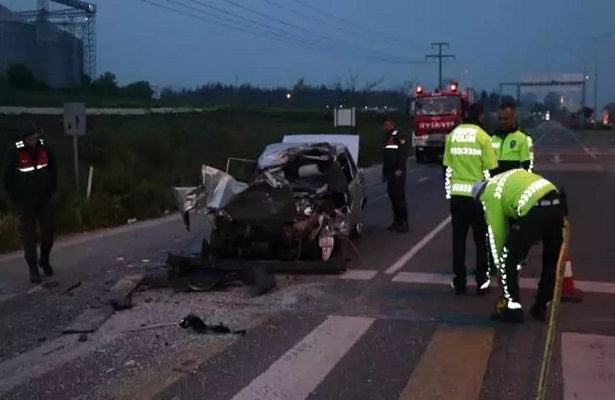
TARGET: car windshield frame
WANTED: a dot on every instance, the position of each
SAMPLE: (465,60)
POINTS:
(437,105)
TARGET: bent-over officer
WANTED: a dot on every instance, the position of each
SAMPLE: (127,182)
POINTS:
(394,172)
(468,158)
(30,180)
(513,147)
(535,210)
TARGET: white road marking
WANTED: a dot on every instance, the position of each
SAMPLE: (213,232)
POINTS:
(524,283)
(297,373)
(359,274)
(424,178)
(587,366)
(585,149)
(399,264)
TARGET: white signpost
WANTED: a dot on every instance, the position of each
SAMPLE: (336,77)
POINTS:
(344,117)
(74,125)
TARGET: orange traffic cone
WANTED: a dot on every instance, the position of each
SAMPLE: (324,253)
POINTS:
(570,294)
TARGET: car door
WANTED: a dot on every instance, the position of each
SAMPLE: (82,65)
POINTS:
(355,185)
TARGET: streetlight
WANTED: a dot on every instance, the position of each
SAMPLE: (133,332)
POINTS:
(596,40)
(288,95)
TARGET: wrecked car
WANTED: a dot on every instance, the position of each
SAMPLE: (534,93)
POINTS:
(304,201)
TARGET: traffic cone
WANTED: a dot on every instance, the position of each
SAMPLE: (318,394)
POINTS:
(570,294)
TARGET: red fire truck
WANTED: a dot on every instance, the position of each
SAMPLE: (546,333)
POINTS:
(436,114)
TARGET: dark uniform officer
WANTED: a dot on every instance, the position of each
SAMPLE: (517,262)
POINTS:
(394,170)
(532,209)
(468,158)
(30,180)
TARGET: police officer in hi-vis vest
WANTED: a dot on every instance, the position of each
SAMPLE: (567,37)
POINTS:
(30,180)
(521,208)
(468,158)
(513,147)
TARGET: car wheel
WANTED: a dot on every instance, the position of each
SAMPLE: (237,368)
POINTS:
(420,157)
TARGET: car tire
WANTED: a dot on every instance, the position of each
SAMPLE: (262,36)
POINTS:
(420,157)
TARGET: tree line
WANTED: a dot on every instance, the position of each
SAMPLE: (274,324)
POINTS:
(301,95)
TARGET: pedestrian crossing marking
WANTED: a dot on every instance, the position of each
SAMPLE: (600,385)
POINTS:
(588,368)
(359,274)
(524,283)
(570,167)
(298,372)
(452,366)
(148,382)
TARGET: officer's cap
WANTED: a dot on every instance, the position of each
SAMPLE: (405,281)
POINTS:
(27,130)
(478,189)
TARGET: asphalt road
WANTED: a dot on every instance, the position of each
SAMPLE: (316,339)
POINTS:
(389,328)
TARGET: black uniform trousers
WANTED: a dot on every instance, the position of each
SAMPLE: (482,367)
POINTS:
(396,189)
(544,223)
(466,213)
(29,214)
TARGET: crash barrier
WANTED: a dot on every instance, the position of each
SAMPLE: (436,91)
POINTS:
(555,303)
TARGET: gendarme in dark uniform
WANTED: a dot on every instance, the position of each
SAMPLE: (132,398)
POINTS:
(394,170)
(30,180)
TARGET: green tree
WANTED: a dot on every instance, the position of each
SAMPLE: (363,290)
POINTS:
(140,90)
(20,77)
(105,85)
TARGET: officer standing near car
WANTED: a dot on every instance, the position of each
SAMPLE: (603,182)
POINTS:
(513,147)
(468,158)
(533,209)
(394,172)
(30,180)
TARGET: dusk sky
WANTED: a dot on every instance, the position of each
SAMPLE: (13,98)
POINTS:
(494,40)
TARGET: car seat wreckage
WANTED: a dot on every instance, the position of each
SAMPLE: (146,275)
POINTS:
(291,217)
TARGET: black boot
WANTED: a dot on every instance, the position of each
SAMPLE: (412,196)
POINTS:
(392,227)
(45,265)
(460,289)
(514,316)
(403,228)
(539,312)
(35,277)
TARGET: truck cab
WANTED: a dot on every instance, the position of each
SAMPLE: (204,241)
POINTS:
(436,114)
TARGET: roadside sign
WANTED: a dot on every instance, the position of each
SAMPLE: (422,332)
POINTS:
(74,119)
(343,117)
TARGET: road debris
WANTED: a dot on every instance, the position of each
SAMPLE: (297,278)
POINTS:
(198,325)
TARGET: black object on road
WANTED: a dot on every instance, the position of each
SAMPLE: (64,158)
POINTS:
(198,325)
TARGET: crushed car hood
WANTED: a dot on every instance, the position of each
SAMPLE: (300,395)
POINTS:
(216,190)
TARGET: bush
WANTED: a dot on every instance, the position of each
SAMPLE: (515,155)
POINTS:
(137,159)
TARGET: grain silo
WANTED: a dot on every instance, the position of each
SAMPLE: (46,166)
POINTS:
(54,55)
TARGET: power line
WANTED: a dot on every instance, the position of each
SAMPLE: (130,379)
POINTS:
(363,29)
(439,57)
(294,28)
(256,28)
(325,22)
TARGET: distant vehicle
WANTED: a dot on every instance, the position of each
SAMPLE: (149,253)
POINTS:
(436,114)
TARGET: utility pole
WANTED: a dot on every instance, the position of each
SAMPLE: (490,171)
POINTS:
(596,83)
(439,57)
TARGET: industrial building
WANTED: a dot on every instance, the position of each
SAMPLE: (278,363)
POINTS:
(54,55)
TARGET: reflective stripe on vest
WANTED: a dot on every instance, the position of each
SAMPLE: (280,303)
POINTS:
(25,161)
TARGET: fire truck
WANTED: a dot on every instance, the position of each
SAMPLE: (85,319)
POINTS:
(436,114)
